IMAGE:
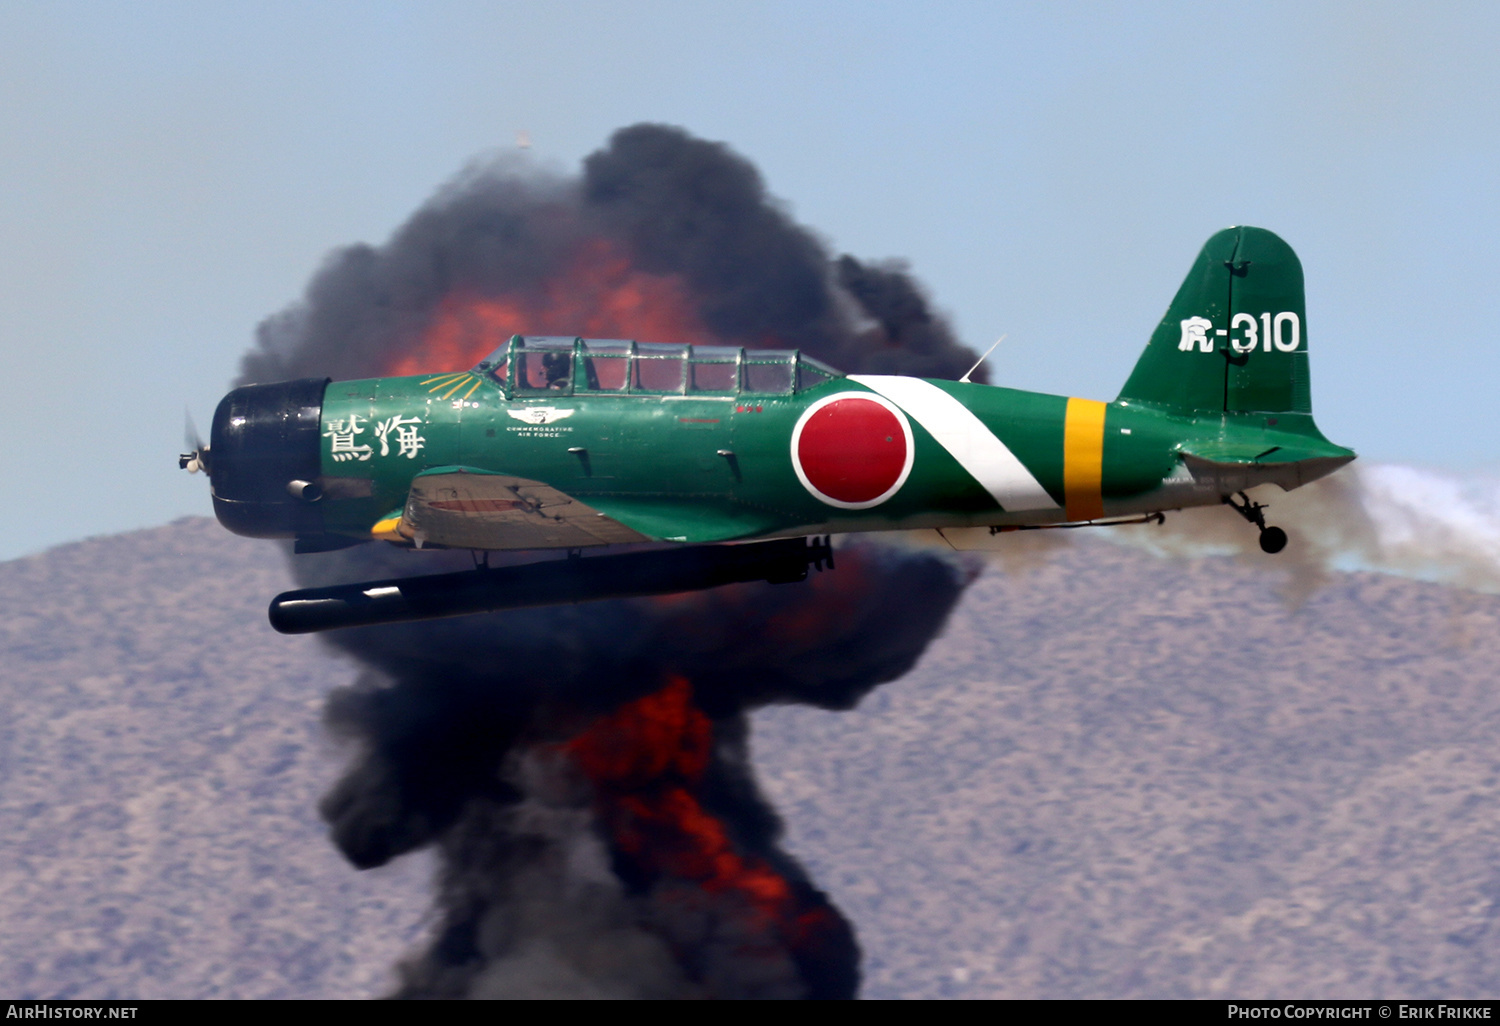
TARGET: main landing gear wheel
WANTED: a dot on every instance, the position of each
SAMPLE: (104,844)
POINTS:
(1272,539)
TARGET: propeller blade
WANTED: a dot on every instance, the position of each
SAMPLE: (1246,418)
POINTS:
(196,458)
(190,435)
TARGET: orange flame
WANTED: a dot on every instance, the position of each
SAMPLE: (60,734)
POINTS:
(597,294)
(646,760)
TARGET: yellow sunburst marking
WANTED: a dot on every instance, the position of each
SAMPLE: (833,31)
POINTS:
(446,380)
(461,383)
(476,384)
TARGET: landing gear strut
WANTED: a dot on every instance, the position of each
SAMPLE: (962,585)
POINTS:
(1272,539)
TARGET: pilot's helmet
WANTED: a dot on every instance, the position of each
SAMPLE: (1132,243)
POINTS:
(558,367)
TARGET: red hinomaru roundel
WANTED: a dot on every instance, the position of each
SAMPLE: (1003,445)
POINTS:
(853,450)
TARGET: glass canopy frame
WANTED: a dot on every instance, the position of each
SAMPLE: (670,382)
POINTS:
(553,365)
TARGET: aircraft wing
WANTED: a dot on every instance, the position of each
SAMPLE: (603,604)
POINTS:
(461,508)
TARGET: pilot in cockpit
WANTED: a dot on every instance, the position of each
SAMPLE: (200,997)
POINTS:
(552,371)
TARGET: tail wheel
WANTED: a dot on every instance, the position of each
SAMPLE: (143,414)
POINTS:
(1272,540)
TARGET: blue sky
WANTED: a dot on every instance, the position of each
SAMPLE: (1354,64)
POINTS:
(172,173)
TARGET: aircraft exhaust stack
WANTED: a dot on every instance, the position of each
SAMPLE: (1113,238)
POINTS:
(549,583)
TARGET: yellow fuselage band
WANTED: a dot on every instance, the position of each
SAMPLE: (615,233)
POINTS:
(1083,459)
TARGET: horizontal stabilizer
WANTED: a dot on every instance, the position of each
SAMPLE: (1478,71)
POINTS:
(1236,468)
(1260,452)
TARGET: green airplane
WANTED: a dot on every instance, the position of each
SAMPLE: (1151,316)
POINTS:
(573,444)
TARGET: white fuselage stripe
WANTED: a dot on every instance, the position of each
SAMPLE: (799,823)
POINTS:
(966,438)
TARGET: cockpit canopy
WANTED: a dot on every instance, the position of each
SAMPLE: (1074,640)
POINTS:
(533,365)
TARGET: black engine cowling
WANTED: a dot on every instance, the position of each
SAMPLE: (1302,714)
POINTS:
(265,459)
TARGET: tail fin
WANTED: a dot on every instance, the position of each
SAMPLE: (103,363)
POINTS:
(1235,338)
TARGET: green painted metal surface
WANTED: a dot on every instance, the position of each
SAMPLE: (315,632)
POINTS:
(1235,337)
(696,445)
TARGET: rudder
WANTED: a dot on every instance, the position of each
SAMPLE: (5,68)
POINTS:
(1234,339)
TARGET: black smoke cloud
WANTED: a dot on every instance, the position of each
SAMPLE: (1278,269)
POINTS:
(678,205)
(456,727)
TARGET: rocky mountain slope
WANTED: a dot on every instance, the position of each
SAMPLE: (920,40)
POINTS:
(1114,775)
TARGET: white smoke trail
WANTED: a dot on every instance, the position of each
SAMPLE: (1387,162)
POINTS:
(1427,524)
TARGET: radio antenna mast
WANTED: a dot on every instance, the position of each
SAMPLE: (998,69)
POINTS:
(987,352)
